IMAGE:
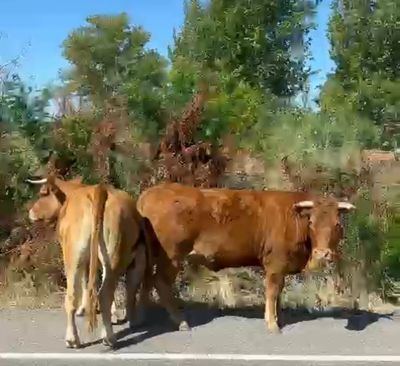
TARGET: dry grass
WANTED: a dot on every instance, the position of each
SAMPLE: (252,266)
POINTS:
(29,290)
(230,288)
(244,287)
(31,276)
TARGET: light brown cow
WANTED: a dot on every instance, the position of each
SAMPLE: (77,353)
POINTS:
(285,232)
(94,222)
(47,209)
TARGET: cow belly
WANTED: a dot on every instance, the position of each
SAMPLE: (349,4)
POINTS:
(231,261)
(225,253)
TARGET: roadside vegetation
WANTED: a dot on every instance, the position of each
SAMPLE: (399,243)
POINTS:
(229,107)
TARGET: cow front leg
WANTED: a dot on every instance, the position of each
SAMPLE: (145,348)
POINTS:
(170,303)
(164,283)
(274,283)
(134,277)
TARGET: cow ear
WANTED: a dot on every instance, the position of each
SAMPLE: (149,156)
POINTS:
(303,207)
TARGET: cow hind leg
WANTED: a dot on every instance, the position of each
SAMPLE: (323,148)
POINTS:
(164,283)
(143,303)
(134,277)
(274,283)
(144,300)
(106,297)
(85,295)
(114,311)
(71,303)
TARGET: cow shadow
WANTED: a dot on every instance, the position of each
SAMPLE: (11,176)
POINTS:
(198,314)
(357,320)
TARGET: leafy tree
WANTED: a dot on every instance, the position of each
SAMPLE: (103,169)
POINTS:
(232,105)
(22,141)
(24,110)
(249,39)
(112,67)
(365,38)
(242,51)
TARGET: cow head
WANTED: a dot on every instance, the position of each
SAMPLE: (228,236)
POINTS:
(53,192)
(325,228)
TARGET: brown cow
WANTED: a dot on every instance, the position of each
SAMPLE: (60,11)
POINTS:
(285,232)
(47,209)
(94,222)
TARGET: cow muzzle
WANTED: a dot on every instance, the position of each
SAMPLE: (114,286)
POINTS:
(32,216)
(321,258)
(323,255)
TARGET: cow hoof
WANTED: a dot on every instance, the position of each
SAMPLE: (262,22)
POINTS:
(275,329)
(80,311)
(72,343)
(184,326)
(110,341)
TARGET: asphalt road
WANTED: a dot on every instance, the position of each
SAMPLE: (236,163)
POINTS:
(217,338)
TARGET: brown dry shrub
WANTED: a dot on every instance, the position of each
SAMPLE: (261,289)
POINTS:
(32,271)
(182,158)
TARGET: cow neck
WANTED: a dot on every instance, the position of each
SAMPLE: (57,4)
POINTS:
(301,229)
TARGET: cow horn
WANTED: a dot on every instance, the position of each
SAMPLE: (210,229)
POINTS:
(40,181)
(346,206)
(305,204)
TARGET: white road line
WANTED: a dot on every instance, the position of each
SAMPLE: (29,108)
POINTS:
(196,357)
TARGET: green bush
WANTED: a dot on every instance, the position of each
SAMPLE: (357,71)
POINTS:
(365,243)
(18,160)
(313,136)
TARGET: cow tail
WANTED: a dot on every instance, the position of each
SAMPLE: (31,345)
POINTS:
(98,206)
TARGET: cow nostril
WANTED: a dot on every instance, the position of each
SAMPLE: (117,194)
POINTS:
(322,254)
